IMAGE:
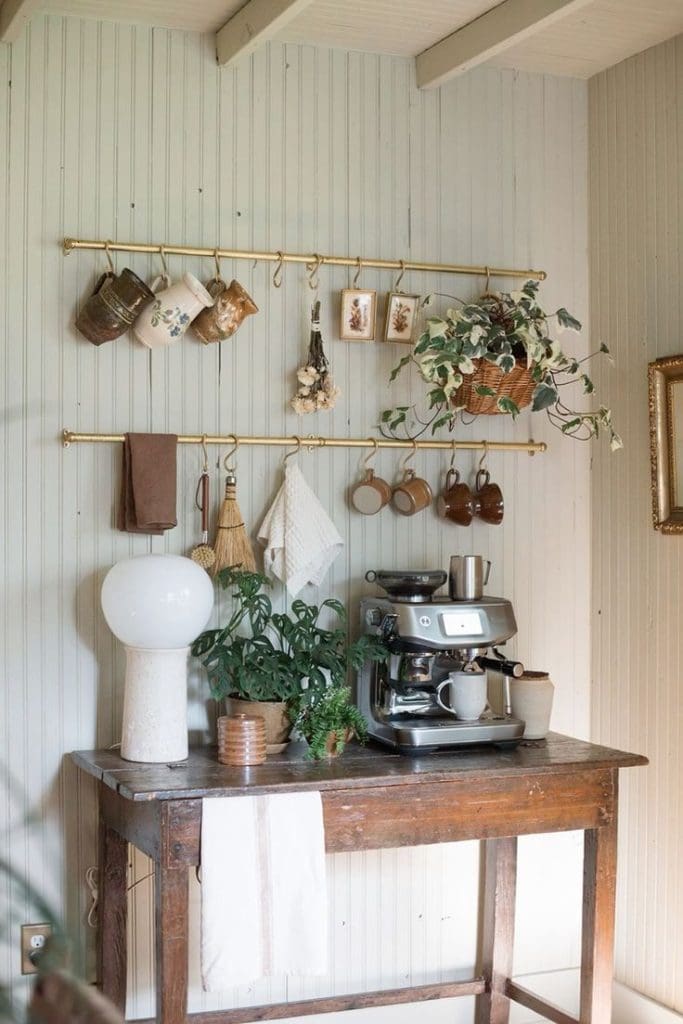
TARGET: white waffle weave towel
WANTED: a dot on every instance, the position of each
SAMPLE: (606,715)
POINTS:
(300,539)
(264,891)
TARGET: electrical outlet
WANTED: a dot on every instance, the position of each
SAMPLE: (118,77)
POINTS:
(33,938)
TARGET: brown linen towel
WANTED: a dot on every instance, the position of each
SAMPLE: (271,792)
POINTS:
(148,491)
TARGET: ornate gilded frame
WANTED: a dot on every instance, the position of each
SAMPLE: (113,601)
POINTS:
(662,376)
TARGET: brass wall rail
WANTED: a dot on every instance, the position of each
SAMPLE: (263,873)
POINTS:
(311,260)
(70,437)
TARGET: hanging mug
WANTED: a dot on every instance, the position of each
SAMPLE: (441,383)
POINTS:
(490,499)
(457,502)
(412,495)
(113,306)
(231,305)
(171,312)
(371,494)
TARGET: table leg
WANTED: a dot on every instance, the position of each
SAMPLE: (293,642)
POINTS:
(500,877)
(597,945)
(113,912)
(172,899)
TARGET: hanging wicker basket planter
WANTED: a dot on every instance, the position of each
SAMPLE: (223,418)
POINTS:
(517,385)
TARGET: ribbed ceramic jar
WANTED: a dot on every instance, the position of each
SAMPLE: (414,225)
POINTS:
(531,698)
(241,740)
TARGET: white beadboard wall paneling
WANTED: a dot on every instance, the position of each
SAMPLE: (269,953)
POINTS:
(129,131)
(636,216)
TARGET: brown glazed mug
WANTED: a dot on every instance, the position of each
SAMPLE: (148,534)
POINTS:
(412,495)
(489,498)
(457,502)
(231,305)
(113,307)
(370,494)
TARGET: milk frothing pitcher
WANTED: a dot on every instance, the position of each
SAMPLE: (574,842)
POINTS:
(467,577)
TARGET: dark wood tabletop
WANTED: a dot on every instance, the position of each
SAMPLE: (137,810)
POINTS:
(359,767)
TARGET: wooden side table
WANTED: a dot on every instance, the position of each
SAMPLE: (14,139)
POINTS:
(371,799)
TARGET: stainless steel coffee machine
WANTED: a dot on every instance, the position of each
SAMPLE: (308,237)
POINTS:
(428,639)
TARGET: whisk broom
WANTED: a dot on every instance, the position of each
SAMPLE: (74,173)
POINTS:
(232,547)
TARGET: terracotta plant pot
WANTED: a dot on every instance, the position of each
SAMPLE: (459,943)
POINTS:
(332,740)
(274,714)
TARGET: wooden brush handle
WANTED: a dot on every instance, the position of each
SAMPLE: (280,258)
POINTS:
(202,500)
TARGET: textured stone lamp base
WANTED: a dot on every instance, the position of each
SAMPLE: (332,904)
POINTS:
(155,705)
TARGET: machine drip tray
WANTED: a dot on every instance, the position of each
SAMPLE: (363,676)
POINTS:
(437,733)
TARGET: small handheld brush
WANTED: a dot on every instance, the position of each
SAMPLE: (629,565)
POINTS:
(232,547)
(203,554)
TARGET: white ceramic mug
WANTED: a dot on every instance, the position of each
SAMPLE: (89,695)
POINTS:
(172,311)
(467,697)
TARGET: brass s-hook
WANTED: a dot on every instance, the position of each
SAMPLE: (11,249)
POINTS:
(398,280)
(409,456)
(313,269)
(231,468)
(372,455)
(295,451)
(356,276)
(277,276)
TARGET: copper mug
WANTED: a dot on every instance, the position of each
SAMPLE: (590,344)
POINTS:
(231,306)
(371,494)
(489,499)
(457,502)
(113,307)
(412,495)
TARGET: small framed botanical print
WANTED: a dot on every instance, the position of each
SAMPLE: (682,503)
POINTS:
(401,317)
(358,313)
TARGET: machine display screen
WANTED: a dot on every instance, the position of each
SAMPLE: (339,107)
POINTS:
(462,623)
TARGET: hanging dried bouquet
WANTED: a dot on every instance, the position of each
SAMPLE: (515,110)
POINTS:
(316,389)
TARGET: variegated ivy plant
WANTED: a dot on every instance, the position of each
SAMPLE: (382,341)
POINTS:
(503,328)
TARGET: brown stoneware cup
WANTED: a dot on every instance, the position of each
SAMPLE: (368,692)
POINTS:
(457,502)
(412,495)
(490,499)
(113,307)
(371,494)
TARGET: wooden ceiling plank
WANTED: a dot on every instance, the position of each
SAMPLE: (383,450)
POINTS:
(487,36)
(13,16)
(254,24)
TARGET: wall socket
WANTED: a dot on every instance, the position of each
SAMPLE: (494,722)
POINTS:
(33,939)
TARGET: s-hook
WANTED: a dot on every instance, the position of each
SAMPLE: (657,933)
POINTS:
(313,269)
(398,280)
(295,451)
(231,468)
(371,455)
(409,456)
(277,276)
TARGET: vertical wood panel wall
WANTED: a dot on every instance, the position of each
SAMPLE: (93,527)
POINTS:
(636,204)
(129,132)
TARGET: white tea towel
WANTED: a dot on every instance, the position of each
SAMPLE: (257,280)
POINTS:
(264,891)
(300,539)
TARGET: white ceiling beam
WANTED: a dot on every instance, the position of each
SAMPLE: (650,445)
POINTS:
(254,24)
(13,16)
(487,36)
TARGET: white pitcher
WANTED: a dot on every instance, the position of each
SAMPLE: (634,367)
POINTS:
(171,313)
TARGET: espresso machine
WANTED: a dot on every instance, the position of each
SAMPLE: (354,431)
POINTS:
(429,638)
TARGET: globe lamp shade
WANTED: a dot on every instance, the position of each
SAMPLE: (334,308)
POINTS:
(156,605)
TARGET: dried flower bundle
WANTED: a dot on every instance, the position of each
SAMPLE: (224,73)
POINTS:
(316,387)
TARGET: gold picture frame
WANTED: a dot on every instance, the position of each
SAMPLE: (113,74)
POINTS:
(401,317)
(358,314)
(665,393)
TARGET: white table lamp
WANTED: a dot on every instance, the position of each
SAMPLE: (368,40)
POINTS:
(156,605)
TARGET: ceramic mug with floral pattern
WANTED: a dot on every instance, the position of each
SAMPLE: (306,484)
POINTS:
(173,309)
